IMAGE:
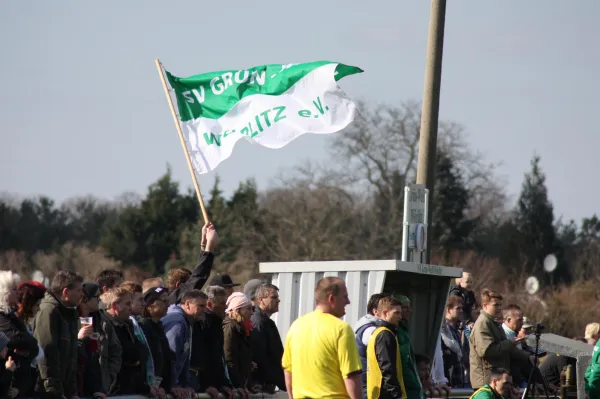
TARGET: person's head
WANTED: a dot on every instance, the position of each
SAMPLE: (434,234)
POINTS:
(217,300)
(225,281)
(239,307)
(390,310)
(193,304)
(466,281)
(118,303)
(491,303)
(423,367)
(152,282)
(156,301)
(267,298)
(67,286)
(91,298)
(3,345)
(501,381)
(29,296)
(331,295)
(406,307)
(454,308)
(176,277)
(513,317)
(592,333)
(137,298)
(373,303)
(8,290)
(109,278)
(250,289)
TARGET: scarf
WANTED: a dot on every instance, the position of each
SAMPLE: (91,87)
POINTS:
(137,330)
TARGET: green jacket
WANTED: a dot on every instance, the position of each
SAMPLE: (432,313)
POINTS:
(592,374)
(55,327)
(486,392)
(412,383)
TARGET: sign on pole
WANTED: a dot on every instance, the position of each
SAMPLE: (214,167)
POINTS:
(414,230)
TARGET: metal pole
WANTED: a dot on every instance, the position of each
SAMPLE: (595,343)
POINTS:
(431,106)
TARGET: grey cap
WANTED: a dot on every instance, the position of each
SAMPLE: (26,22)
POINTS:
(251,287)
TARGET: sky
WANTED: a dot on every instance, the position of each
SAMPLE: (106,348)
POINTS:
(83,110)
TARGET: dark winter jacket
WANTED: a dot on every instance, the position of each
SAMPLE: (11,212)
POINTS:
(89,373)
(27,349)
(132,377)
(6,377)
(55,328)
(207,362)
(162,356)
(197,279)
(110,349)
(386,349)
(267,350)
(238,353)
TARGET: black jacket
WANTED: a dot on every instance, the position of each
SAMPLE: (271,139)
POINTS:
(207,360)
(468,298)
(162,356)
(267,350)
(6,377)
(238,353)
(26,345)
(386,347)
(89,373)
(197,279)
(132,377)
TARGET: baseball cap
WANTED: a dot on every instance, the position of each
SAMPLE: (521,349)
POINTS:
(527,323)
(223,280)
(251,287)
(153,293)
(403,299)
(90,290)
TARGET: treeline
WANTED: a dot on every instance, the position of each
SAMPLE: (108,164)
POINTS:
(349,208)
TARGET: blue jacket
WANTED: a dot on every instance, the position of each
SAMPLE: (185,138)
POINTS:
(179,333)
(361,325)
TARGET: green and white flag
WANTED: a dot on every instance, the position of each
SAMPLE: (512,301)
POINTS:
(270,105)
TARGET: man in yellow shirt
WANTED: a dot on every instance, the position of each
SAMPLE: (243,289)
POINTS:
(320,358)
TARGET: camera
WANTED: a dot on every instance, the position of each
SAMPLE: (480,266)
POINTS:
(539,327)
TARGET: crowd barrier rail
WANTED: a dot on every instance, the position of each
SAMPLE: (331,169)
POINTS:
(459,393)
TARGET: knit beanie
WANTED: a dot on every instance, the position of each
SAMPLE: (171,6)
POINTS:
(237,300)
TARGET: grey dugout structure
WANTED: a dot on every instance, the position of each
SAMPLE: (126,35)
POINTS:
(426,286)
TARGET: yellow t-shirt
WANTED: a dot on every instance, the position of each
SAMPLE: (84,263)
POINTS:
(320,351)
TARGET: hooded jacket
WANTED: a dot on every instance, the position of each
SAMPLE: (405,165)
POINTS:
(55,327)
(179,334)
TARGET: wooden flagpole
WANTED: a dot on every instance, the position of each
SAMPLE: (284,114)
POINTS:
(185,151)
